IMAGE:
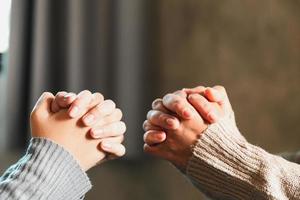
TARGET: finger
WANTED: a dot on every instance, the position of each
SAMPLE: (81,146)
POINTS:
(158,105)
(148,126)
(163,120)
(116,116)
(43,106)
(116,139)
(113,146)
(154,137)
(179,105)
(204,107)
(55,105)
(116,149)
(85,100)
(214,95)
(225,104)
(195,90)
(181,93)
(62,100)
(98,113)
(110,130)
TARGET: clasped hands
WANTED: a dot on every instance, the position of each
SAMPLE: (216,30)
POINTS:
(90,128)
(177,121)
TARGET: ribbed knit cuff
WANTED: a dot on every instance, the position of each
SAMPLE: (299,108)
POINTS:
(226,166)
(47,171)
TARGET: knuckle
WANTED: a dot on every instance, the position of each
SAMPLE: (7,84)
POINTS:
(145,137)
(118,114)
(61,93)
(110,102)
(220,88)
(151,114)
(47,94)
(98,96)
(156,103)
(123,127)
(122,151)
(84,94)
(87,92)
(167,98)
(180,93)
(119,127)
(145,125)
(194,96)
(161,117)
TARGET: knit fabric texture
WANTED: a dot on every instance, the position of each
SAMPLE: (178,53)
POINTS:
(225,166)
(46,171)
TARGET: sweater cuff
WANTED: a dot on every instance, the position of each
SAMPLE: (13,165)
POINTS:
(225,166)
(214,159)
(49,171)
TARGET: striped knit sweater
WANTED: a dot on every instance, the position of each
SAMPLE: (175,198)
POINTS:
(47,171)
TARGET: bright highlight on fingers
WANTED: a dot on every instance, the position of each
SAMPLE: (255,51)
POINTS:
(82,100)
(178,105)
(158,105)
(111,130)
(204,107)
(69,97)
(102,113)
(116,149)
(153,137)
(195,90)
(148,126)
(214,95)
(160,119)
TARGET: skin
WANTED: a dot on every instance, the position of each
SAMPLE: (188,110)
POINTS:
(53,115)
(178,120)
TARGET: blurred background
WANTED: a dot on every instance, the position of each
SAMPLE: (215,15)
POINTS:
(136,50)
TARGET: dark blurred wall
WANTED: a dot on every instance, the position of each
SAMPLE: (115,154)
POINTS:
(251,47)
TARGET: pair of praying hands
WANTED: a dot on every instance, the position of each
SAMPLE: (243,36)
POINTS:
(177,121)
(90,128)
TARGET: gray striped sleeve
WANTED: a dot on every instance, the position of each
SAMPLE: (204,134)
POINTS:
(47,171)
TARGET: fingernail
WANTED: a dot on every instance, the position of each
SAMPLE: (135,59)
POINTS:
(187,113)
(74,111)
(97,133)
(89,119)
(213,116)
(106,145)
(170,122)
(68,96)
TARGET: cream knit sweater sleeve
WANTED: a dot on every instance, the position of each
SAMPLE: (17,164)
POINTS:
(225,166)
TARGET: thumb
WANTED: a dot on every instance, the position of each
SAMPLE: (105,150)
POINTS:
(214,95)
(43,105)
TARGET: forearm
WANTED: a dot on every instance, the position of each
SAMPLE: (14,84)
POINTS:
(225,167)
(47,171)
